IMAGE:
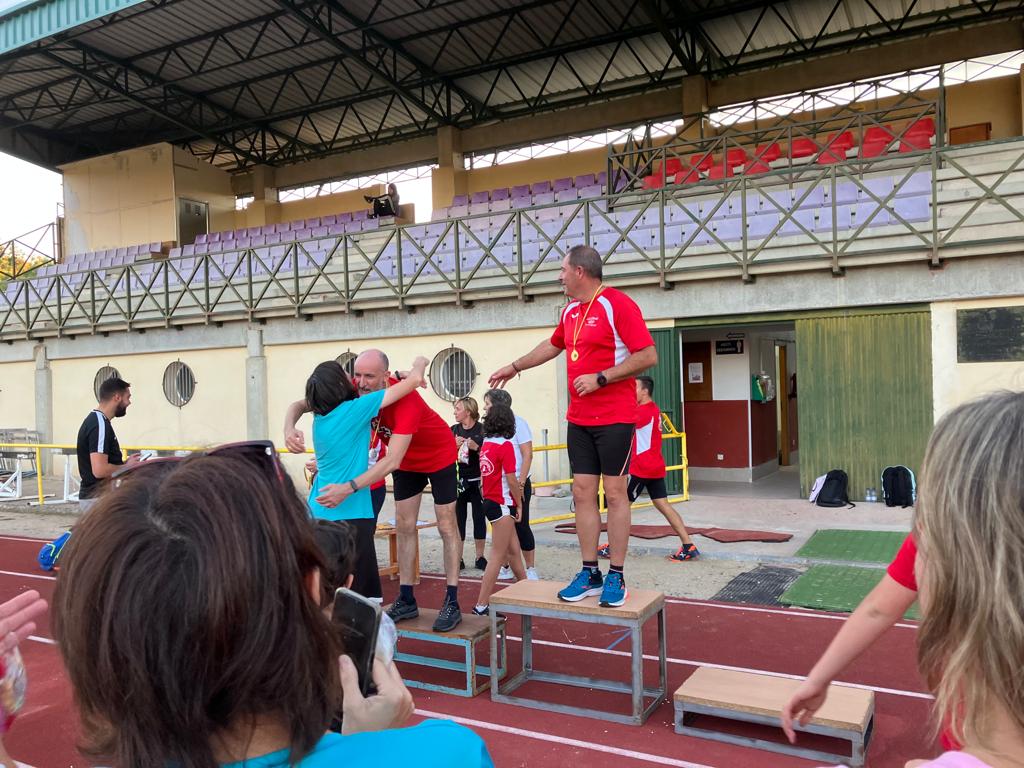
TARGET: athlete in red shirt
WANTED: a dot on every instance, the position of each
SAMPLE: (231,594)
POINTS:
(607,343)
(647,468)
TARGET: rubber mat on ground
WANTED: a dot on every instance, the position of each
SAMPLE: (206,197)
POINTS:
(835,588)
(853,546)
(763,585)
(721,535)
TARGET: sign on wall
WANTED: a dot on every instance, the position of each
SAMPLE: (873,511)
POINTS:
(729,347)
(993,335)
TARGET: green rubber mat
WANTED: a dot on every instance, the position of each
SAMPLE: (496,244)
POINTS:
(853,546)
(835,588)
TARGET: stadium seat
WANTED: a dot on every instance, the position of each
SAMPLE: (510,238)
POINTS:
(802,147)
(460,200)
(719,171)
(326,221)
(602,178)
(735,157)
(755,167)
(877,133)
(344,217)
(870,149)
(702,162)
(560,185)
(479,197)
(540,188)
(673,165)
(654,181)
(499,194)
(766,153)
(586,180)
(691,176)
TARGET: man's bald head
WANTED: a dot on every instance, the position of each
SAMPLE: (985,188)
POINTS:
(371,371)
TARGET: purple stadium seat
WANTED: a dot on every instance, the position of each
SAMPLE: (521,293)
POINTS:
(479,197)
(188,250)
(602,178)
(500,194)
(439,215)
(540,188)
(458,210)
(343,217)
(259,240)
(320,232)
(312,223)
(586,180)
(216,247)
(174,253)
(871,213)
(460,200)
(916,184)
(243,242)
(303,234)
(791,226)
(326,221)
(846,192)
(270,239)
(501,205)
(478,208)
(133,250)
(592,191)
(561,184)
(728,229)
(544,198)
(912,208)
(565,195)
(760,226)
(212,237)
(251,231)
(360,215)
(522,190)
(369,224)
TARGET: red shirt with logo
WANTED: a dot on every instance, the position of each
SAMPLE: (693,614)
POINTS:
(608,333)
(647,461)
(432,446)
(497,459)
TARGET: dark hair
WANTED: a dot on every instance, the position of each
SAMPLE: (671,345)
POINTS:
(337,542)
(112,386)
(182,611)
(647,384)
(499,397)
(499,421)
(586,257)
(328,387)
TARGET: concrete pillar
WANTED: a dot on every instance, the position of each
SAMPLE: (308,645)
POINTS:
(696,101)
(44,404)
(265,208)
(449,178)
(257,425)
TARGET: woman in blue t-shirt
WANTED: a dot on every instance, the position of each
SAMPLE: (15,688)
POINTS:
(188,618)
(341,438)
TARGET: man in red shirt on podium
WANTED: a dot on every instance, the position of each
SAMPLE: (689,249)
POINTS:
(607,342)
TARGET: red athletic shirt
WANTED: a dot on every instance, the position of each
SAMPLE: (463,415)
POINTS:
(497,459)
(432,446)
(901,569)
(378,449)
(610,332)
(647,461)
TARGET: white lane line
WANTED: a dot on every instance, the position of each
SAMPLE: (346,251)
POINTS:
(798,612)
(22,538)
(602,748)
(692,663)
(29,575)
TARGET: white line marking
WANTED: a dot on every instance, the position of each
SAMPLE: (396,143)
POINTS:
(798,612)
(22,538)
(29,575)
(692,663)
(602,748)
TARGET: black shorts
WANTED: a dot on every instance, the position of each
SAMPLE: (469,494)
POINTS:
(494,511)
(655,487)
(602,450)
(443,484)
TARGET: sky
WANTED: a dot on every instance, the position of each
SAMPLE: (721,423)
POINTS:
(28,196)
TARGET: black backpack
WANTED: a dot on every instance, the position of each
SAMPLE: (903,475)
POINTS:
(898,486)
(834,491)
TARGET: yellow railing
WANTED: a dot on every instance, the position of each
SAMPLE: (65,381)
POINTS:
(671,434)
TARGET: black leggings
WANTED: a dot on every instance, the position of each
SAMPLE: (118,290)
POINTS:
(523,530)
(366,576)
(471,497)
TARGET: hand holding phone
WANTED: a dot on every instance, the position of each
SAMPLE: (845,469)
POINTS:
(391,707)
(357,620)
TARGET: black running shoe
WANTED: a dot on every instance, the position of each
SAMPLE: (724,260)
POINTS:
(481,563)
(401,610)
(462,565)
(449,617)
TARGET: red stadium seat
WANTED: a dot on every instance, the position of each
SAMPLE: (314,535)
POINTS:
(918,136)
(871,149)
(925,125)
(877,133)
(719,171)
(691,176)
(755,167)
(654,181)
(802,148)
(673,165)
(702,162)
(734,157)
(768,152)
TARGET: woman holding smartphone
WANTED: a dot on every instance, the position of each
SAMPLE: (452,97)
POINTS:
(341,436)
(188,615)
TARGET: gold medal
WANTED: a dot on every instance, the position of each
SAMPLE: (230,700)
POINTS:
(575,356)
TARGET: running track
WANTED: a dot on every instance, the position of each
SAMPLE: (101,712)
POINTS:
(779,641)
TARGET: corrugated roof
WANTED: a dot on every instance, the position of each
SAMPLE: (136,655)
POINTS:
(85,77)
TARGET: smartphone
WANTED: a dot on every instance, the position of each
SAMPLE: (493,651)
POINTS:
(357,620)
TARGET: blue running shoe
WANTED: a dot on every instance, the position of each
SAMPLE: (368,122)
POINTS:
(585,584)
(614,593)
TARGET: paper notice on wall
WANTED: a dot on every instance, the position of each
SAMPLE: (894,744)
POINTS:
(695,373)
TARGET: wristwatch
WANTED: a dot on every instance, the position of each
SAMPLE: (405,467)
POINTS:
(601,379)
(353,486)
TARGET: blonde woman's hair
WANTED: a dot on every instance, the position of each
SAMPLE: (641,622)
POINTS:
(470,405)
(970,532)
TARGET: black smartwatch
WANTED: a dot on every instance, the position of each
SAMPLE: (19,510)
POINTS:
(602,380)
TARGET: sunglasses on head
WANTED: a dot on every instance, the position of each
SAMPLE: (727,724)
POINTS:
(260,452)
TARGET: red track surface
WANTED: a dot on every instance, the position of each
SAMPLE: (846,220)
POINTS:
(773,640)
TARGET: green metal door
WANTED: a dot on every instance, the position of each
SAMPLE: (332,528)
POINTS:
(668,395)
(864,387)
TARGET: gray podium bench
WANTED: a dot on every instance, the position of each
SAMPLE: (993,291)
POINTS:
(539,599)
(848,713)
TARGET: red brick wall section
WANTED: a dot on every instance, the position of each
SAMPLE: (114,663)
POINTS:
(717,426)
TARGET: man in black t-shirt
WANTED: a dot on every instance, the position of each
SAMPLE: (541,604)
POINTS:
(99,453)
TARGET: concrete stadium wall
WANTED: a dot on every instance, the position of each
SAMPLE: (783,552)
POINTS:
(954,382)
(996,101)
(119,200)
(17,395)
(203,183)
